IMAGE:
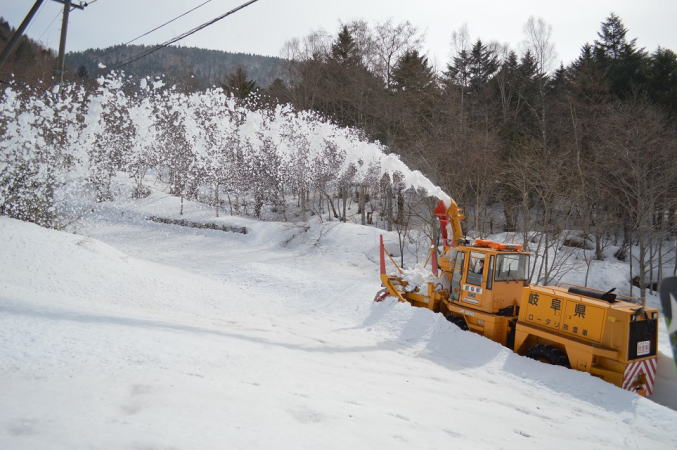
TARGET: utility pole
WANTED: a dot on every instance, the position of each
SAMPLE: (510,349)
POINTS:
(61,62)
(14,40)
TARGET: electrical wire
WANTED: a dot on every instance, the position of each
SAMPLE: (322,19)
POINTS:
(58,13)
(185,35)
(167,23)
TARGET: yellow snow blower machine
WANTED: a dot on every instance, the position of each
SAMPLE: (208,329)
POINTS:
(483,287)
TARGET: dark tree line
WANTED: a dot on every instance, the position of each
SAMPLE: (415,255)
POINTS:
(203,67)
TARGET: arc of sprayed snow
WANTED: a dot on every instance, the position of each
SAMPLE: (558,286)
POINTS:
(414,178)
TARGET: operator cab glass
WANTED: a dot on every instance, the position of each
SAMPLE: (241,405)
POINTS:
(459,259)
(511,267)
(475,268)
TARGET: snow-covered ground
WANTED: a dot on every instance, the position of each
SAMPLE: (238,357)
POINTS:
(133,334)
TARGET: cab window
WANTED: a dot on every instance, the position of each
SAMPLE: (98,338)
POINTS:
(511,267)
(475,268)
(459,259)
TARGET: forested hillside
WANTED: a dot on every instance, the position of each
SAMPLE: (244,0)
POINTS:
(522,144)
(30,60)
(195,68)
(188,68)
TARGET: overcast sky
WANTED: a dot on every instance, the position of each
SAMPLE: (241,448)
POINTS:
(265,26)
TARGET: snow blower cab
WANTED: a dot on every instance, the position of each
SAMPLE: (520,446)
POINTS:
(475,285)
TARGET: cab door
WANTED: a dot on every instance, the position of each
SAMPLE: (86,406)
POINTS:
(474,281)
(457,275)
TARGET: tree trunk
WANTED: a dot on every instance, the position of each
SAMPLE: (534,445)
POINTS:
(389,208)
(344,193)
(599,254)
(651,256)
(333,209)
(622,251)
(400,207)
(630,258)
(362,205)
(642,264)
(230,203)
(216,199)
(660,260)
(509,211)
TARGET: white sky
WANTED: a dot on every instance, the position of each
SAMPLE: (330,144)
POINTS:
(265,26)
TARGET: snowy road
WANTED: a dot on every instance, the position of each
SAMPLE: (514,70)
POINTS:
(140,335)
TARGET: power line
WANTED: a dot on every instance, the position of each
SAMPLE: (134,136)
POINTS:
(58,13)
(167,23)
(185,35)
(51,22)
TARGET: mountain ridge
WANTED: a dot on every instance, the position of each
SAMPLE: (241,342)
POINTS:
(193,66)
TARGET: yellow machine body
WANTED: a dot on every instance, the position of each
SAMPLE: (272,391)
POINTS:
(484,289)
(601,337)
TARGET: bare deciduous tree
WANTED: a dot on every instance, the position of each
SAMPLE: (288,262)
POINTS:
(390,42)
(639,169)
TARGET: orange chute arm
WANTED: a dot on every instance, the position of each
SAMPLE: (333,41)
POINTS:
(450,215)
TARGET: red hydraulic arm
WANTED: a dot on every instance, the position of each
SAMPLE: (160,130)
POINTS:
(450,215)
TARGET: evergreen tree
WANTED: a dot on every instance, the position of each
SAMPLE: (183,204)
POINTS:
(510,64)
(623,64)
(483,64)
(344,50)
(472,69)
(458,72)
(506,83)
(586,58)
(82,72)
(527,67)
(279,91)
(586,81)
(663,79)
(413,73)
(344,87)
(238,83)
(613,43)
(559,79)
(528,78)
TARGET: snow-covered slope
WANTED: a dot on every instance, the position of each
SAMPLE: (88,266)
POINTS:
(135,334)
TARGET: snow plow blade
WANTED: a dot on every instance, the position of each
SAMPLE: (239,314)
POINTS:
(387,281)
(396,285)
